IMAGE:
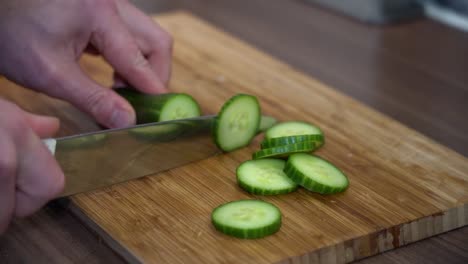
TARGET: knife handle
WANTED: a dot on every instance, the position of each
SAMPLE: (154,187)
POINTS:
(50,144)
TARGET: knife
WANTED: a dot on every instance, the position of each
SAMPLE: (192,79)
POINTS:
(99,159)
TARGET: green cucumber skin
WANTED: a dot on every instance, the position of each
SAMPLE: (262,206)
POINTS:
(318,139)
(285,150)
(218,118)
(260,191)
(309,184)
(148,107)
(249,233)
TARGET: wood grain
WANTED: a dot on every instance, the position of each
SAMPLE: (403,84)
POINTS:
(53,235)
(404,187)
(414,72)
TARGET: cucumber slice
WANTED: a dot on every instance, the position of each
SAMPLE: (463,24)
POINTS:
(264,177)
(315,174)
(161,107)
(281,141)
(247,219)
(293,128)
(265,123)
(237,122)
(285,150)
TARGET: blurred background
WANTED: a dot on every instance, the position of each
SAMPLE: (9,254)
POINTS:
(452,12)
(405,58)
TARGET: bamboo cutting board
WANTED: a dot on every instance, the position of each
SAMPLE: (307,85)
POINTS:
(403,186)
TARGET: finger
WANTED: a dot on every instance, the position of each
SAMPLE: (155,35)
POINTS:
(7,181)
(155,43)
(43,126)
(70,83)
(119,82)
(119,48)
(39,177)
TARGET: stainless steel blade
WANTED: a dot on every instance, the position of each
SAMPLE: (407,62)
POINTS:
(95,160)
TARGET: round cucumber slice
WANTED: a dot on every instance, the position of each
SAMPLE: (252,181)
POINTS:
(264,177)
(248,219)
(179,106)
(292,128)
(315,174)
(285,150)
(281,141)
(237,122)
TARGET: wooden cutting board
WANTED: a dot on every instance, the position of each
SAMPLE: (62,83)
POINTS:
(404,187)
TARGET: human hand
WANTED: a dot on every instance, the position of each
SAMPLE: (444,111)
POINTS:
(29,174)
(42,40)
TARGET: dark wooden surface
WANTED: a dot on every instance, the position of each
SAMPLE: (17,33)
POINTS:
(414,72)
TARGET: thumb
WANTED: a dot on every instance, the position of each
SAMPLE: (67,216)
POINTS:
(70,83)
(43,126)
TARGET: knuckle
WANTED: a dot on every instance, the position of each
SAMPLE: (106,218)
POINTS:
(15,124)
(19,128)
(52,185)
(98,103)
(54,188)
(51,76)
(139,61)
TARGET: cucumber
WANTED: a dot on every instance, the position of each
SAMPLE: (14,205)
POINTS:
(237,122)
(161,107)
(248,219)
(264,177)
(265,123)
(292,128)
(285,150)
(281,141)
(315,174)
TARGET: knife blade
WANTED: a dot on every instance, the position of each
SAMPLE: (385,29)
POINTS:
(99,159)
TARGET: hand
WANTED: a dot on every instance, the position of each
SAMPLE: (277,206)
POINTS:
(29,175)
(42,40)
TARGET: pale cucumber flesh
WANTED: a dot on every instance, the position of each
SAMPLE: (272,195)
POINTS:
(315,174)
(237,122)
(247,219)
(292,128)
(264,177)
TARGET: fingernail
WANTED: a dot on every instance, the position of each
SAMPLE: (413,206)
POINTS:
(122,118)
